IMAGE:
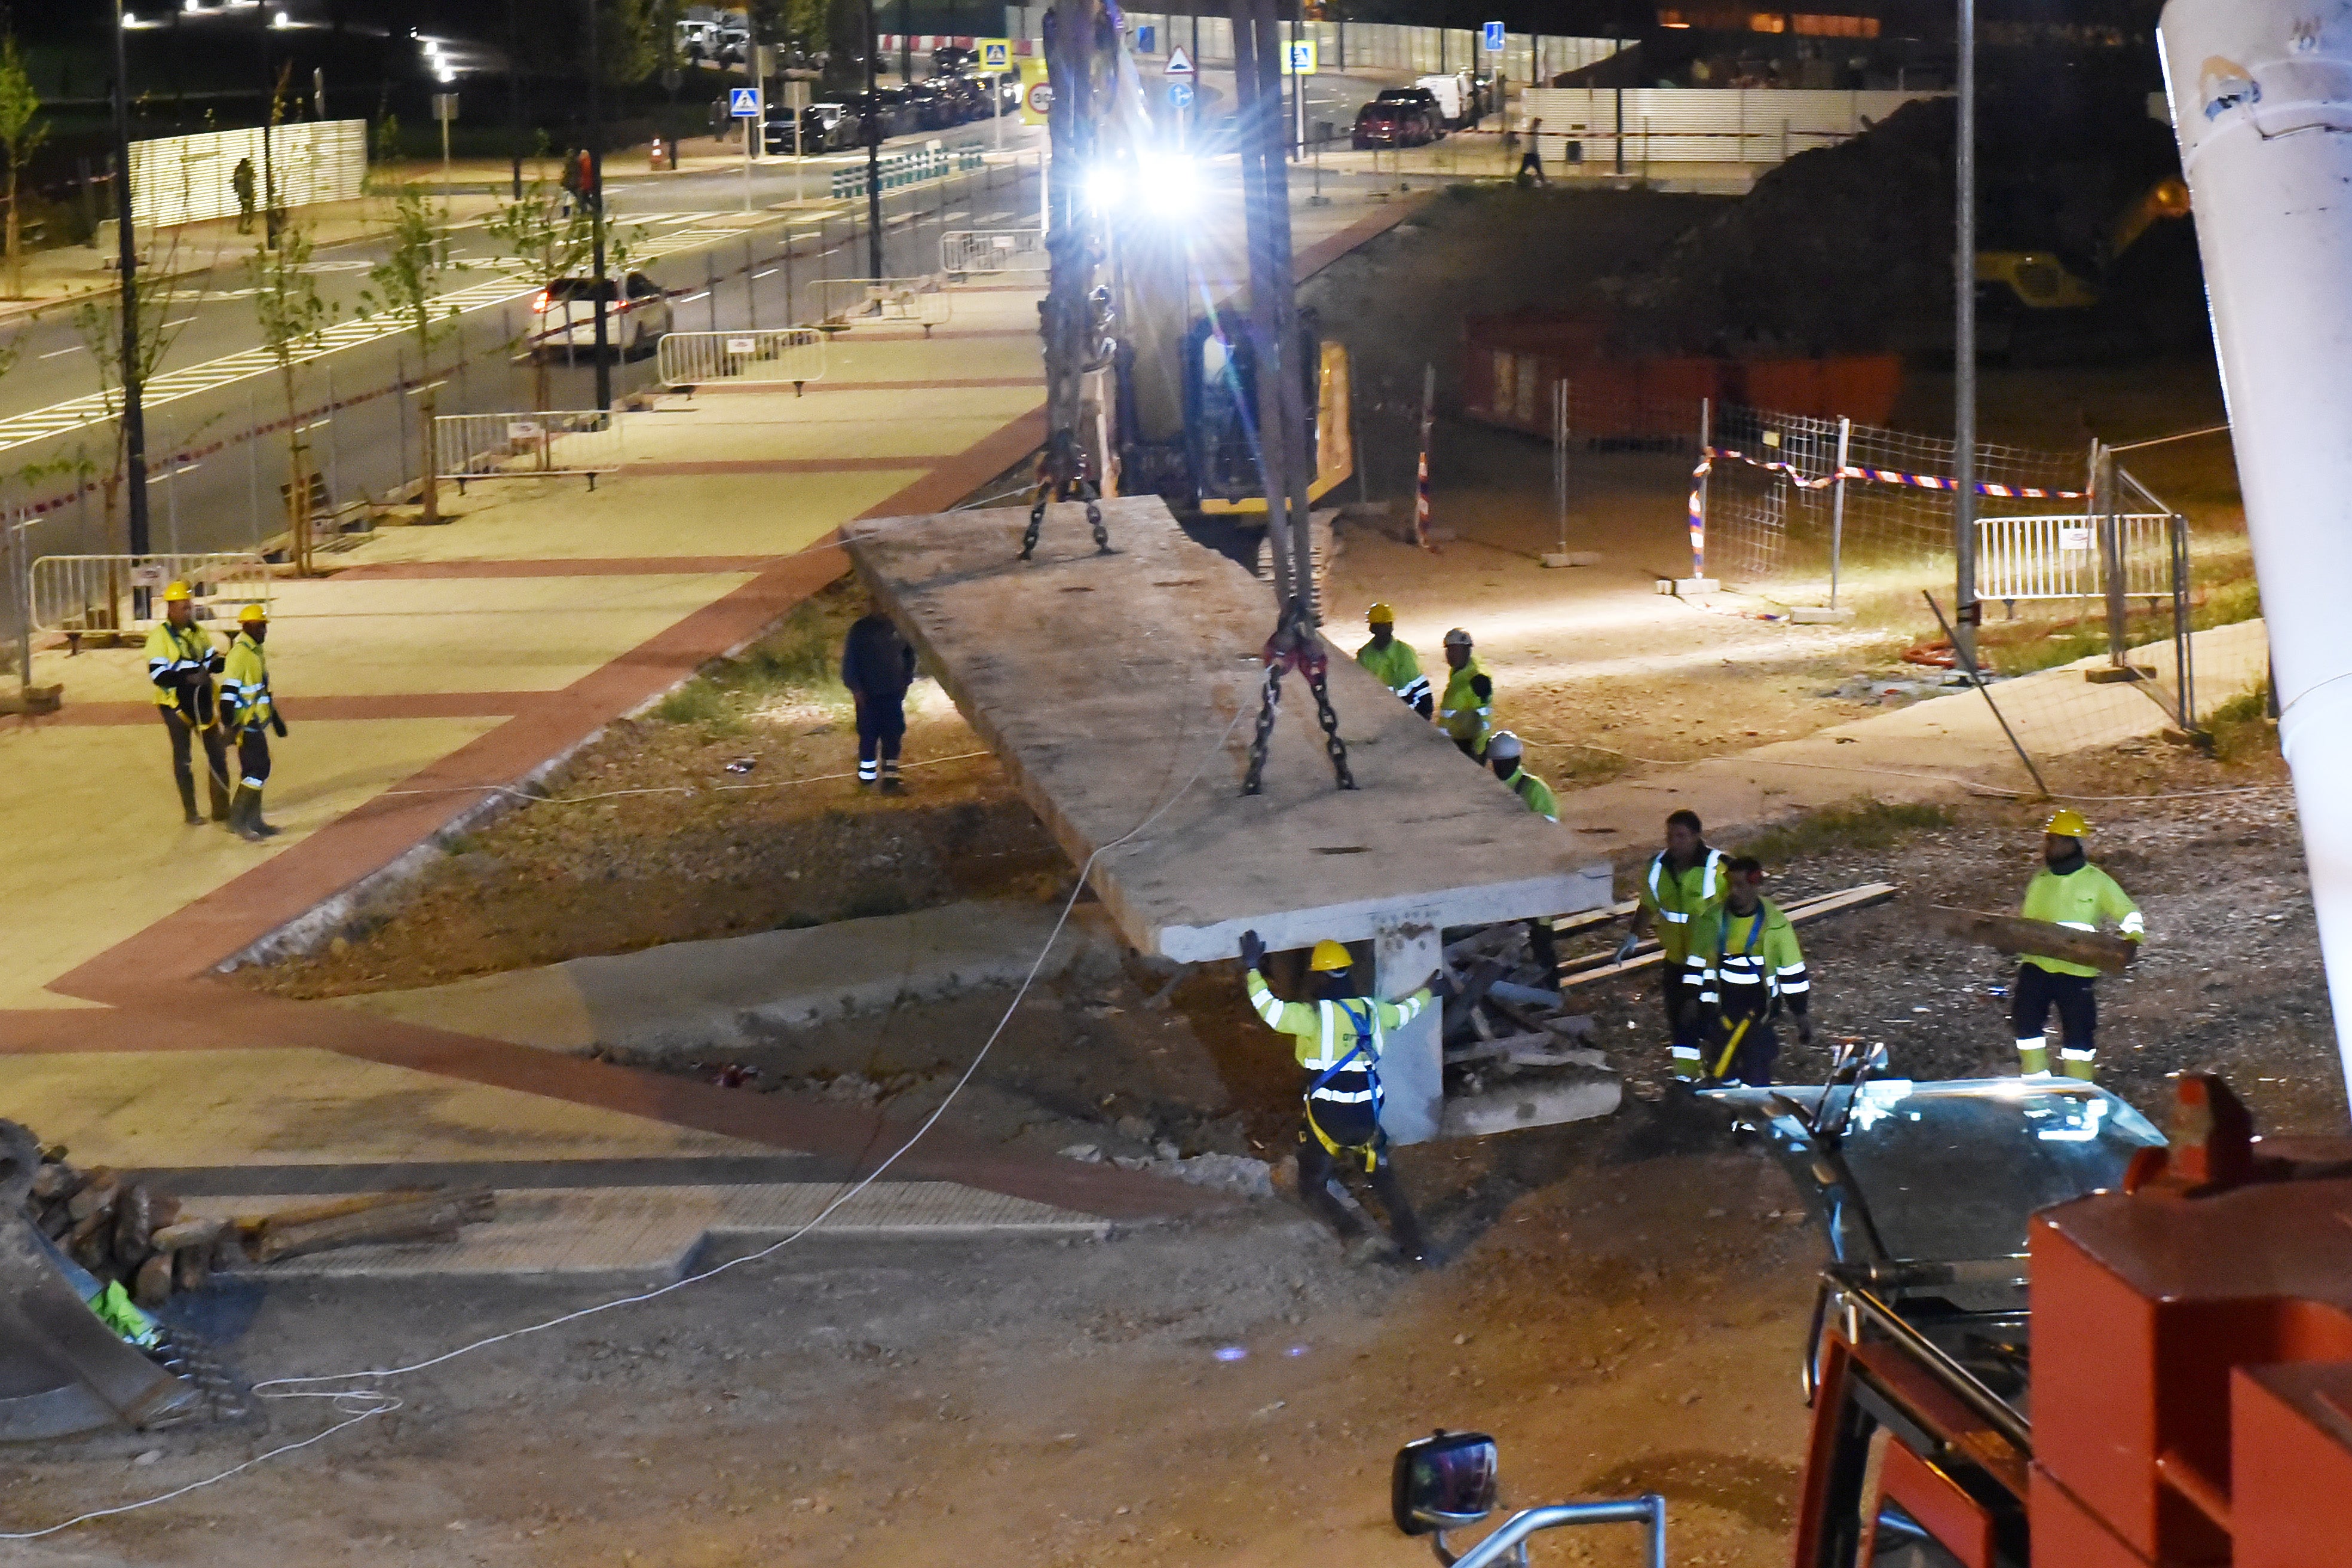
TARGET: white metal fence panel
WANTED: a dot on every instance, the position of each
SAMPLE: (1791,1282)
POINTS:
(896,301)
(796,354)
(968,252)
(1708,125)
(2058,557)
(519,446)
(94,592)
(186,179)
(1349,45)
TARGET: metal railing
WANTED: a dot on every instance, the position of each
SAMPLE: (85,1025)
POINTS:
(982,252)
(898,169)
(526,445)
(2061,558)
(898,301)
(82,594)
(796,354)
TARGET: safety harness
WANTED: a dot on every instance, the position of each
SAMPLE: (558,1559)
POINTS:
(1368,1151)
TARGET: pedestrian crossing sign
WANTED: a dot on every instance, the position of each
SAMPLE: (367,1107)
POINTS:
(743,102)
(1299,57)
(995,54)
(1179,62)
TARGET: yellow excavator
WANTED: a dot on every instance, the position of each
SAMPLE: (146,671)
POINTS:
(1221,421)
(2043,280)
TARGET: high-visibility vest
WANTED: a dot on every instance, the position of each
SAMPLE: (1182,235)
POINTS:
(1679,899)
(1462,715)
(245,685)
(1743,963)
(1399,669)
(1323,1032)
(2079,900)
(1537,794)
(173,654)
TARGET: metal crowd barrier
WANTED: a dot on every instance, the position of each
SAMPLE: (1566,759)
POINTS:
(526,446)
(845,302)
(96,593)
(2058,557)
(796,354)
(898,169)
(983,252)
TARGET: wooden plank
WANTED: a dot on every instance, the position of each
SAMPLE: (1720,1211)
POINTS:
(2017,935)
(1577,972)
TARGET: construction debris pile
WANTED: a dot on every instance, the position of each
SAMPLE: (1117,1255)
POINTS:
(127,1232)
(1514,1055)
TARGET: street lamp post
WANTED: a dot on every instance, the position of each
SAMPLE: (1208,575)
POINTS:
(593,192)
(1966,611)
(873,150)
(134,417)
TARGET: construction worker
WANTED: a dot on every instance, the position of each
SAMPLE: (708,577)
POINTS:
(1503,752)
(878,667)
(1468,711)
(2072,892)
(1394,662)
(1338,1038)
(1744,968)
(250,713)
(181,662)
(1681,887)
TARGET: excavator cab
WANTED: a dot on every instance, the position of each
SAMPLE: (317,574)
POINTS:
(1220,412)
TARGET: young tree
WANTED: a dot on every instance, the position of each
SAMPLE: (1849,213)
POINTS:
(292,316)
(97,322)
(407,284)
(21,136)
(551,235)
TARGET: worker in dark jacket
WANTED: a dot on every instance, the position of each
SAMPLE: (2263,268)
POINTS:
(878,667)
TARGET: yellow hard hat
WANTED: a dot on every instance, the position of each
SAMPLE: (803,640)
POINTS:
(176,593)
(1329,955)
(251,613)
(2067,823)
(1379,614)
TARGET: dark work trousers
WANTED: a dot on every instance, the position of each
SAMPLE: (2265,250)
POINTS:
(183,759)
(881,725)
(1684,1024)
(2078,1006)
(1759,1047)
(1353,1127)
(253,755)
(1531,168)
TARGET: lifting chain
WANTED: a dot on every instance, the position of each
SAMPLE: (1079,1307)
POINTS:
(1062,476)
(1293,645)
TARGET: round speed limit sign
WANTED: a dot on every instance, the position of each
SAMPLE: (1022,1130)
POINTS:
(1040,96)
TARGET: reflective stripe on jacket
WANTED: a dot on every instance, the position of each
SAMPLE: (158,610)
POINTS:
(2079,900)
(1323,1032)
(1464,714)
(1537,794)
(1399,669)
(1743,963)
(1679,899)
(245,685)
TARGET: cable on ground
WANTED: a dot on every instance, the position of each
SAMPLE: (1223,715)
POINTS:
(523,795)
(364,1404)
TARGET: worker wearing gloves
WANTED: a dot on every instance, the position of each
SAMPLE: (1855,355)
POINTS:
(878,667)
(1503,752)
(181,662)
(250,713)
(1682,887)
(1744,968)
(1394,662)
(1338,1038)
(2072,892)
(1468,711)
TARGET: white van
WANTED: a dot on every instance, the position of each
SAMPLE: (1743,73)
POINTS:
(1456,95)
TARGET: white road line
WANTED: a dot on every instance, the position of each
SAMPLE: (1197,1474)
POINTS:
(55,352)
(181,322)
(771,272)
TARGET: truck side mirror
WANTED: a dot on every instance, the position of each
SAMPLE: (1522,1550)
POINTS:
(1443,1481)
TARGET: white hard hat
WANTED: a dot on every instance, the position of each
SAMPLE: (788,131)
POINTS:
(1457,637)
(1504,745)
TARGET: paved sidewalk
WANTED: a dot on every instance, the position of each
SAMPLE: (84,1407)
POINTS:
(430,669)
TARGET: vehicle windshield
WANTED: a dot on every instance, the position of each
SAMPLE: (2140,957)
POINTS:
(582,289)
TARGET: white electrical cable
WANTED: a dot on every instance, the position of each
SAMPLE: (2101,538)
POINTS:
(383,1403)
(525,795)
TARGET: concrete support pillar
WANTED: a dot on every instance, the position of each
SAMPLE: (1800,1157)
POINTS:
(1405,949)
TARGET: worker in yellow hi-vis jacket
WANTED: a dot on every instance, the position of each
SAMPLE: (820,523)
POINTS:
(2069,891)
(1338,1038)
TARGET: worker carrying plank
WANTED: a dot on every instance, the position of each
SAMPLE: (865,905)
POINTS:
(1338,1038)
(1682,887)
(2068,891)
(1744,968)
(181,662)
(1394,662)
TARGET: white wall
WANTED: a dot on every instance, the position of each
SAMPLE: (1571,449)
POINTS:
(1704,125)
(1352,45)
(186,179)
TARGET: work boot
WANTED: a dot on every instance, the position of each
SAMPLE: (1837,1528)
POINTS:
(2034,1057)
(188,803)
(2080,1065)
(219,794)
(241,807)
(890,784)
(253,818)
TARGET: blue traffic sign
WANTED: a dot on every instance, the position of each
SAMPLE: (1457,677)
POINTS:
(1179,94)
(1147,40)
(1494,38)
(743,102)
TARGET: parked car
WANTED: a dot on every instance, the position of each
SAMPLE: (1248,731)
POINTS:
(734,44)
(888,108)
(967,96)
(1455,94)
(636,314)
(1393,122)
(698,40)
(824,127)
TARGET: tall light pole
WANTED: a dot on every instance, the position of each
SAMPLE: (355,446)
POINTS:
(591,191)
(1966,612)
(134,417)
(873,149)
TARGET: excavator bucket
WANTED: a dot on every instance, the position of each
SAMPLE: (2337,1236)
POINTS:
(62,1370)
